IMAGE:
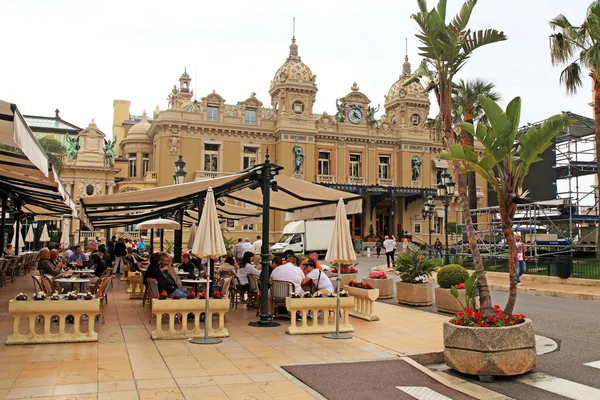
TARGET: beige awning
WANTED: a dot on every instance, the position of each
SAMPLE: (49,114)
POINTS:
(441,164)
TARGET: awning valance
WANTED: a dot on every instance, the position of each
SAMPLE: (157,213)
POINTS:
(441,164)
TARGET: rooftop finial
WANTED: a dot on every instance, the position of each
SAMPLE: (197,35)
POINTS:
(406,48)
(294,28)
(406,65)
(57,112)
(294,46)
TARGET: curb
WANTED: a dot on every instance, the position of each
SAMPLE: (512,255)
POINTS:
(460,385)
(549,293)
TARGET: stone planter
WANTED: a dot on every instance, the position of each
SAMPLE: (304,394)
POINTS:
(326,324)
(346,278)
(182,307)
(414,294)
(364,301)
(445,302)
(385,286)
(489,352)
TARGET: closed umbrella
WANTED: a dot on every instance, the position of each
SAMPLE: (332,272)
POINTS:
(64,236)
(208,243)
(340,251)
(21,241)
(192,236)
(44,236)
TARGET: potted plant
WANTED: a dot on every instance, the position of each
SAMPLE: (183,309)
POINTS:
(380,280)
(414,287)
(345,273)
(451,275)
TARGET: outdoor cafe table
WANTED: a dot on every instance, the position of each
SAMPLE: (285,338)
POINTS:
(73,281)
(81,271)
(195,282)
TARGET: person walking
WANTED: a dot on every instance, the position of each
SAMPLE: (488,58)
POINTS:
(141,246)
(378,247)
(520,258)
(110,247)
(405,245)
(119,253)
(247,246)
(256,249)
(437,248)
(238,251)
(389,245)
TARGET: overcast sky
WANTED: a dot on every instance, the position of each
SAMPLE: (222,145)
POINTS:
(79,56)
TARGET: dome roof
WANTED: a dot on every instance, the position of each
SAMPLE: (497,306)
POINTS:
(185,74)
(294,71)
(140,130)
(414,91)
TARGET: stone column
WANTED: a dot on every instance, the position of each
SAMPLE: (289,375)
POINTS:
(110,188)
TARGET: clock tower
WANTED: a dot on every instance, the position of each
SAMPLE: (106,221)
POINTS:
(354,108)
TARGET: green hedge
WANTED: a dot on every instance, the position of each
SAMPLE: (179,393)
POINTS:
(451,275)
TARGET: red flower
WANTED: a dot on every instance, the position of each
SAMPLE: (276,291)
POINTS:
(191,294)
(176,297)
(202,295)
(217,294)
(459,286)
(163,295)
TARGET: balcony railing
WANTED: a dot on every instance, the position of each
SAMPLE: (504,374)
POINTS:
(356,180)
(202,175)
(325,179)
(385,182)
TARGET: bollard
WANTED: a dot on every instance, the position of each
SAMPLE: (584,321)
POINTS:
(368,252)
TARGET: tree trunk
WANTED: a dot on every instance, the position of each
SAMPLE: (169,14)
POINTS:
(507,213)
(597,129)
(485,299)
(471,177)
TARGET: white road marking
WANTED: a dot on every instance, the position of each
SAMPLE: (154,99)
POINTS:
(544,345)
(563,387)
(594,364)
(422,393)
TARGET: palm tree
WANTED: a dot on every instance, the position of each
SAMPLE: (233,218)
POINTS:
(466,108)
(445,49)
(55,150)
(578,46)
(504,165)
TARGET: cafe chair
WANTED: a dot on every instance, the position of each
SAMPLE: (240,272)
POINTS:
(280,290)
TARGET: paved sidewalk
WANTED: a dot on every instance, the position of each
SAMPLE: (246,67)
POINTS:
(547,286)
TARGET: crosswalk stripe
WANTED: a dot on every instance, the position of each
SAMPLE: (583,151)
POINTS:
(563,387)
(422,393)
(594,364)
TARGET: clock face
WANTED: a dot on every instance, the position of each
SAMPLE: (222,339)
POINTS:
(283,77)
(355,115)
(402,92)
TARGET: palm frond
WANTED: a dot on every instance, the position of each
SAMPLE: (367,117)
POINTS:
(562,48)
(571,78)
(480,38)
(461,19)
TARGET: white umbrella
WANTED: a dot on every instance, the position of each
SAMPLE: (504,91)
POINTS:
(21,241)
(159,223)
(340,251)
(29,237)
(64,236)
(44,236)
(192,236)
(208,243)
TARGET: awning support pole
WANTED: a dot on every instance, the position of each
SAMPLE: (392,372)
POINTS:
(265,320)
(151,246)
(177,247)
(2,231)
(18,226)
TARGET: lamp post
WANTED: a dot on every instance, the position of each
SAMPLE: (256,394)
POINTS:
(445,191)
(178,179)
(427,212)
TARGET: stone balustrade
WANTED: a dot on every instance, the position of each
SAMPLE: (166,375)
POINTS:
(319,324)
(364,303)
(181,309)
(49,309)
(136,286)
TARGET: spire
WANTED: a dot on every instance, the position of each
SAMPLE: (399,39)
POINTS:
(144,116)
(406,65)
(294,46)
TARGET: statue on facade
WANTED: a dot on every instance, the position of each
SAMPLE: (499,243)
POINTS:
(298,159)
(173,97)
(416,168)
(341,108)
(371,115)
(72,147)
(108,148)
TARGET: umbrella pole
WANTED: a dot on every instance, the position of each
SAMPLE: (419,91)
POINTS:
(151,241)
(162,240)
(265,320)
(337,334)
(17,230)
(207,315)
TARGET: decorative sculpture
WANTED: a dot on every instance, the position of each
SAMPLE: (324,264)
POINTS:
(108,148)
(72,147)
(298,159)
(173,103)
(416,168)
(341,108)
(371,115)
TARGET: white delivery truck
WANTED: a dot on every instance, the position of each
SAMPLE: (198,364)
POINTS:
(304,237)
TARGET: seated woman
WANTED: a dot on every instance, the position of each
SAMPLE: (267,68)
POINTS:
(227,267)
(188,266)
(166,277)
(246,268)
(98,265)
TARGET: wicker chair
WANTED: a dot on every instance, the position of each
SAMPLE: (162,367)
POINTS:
(12,268)
(152,287)
(49,281)
(39,284)
(225,286)
(253,292)
(280,290)
(3,265)
(103,294)
(235,292)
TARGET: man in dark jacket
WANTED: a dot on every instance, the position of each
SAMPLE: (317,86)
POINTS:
(120,252)
(110,249)
(105,257)
(46,268)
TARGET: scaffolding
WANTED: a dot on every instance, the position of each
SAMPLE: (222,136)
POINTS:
(566,225)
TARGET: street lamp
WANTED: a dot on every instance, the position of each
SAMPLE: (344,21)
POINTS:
(445,191)
(180,174)
(427,212)
(178,179)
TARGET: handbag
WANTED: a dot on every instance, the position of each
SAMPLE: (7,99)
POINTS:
(314,288)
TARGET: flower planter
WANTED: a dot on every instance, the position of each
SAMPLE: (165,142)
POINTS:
(445,302)
(488,352)
(414,294)
(346,278)
(364,301)
(385,286)
(326,324)
(49,308)
(183,307)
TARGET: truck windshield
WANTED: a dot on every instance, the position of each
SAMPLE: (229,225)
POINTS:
(285,238)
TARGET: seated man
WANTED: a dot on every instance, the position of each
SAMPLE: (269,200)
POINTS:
(188,266)
(78,256)
(318,279)
(132,258)
(290,273)
(46,267)
(166,277)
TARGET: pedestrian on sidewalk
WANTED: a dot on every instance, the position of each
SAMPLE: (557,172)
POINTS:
(390,246)
(378,247)
(520,258)
(437,248)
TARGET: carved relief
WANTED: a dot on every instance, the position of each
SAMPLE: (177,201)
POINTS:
(174,145)
(88,188)
(325,122)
